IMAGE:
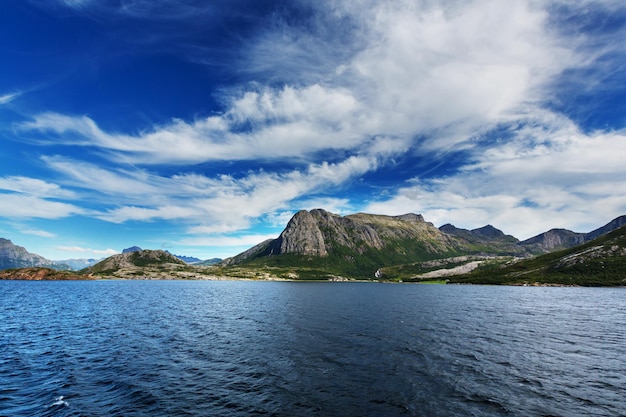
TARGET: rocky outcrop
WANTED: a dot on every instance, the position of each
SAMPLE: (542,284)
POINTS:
(13,256)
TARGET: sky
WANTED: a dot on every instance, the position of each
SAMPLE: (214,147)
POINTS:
(201,127)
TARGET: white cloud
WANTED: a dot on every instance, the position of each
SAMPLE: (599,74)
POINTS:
(558,177)
(79,249)
(419,77)
(441,70)
(37,232)
(28,206)
(219,204)
(33,186)
(7,98)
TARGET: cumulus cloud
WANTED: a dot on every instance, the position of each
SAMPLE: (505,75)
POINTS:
(555,177)
(437,70)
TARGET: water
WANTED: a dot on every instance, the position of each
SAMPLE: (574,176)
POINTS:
(178,348)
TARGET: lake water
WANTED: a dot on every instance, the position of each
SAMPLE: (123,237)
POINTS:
(232,348)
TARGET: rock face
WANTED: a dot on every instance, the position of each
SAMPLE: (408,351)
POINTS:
(301,236)
(13,256)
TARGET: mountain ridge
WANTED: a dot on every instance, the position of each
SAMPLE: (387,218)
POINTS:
(360,244)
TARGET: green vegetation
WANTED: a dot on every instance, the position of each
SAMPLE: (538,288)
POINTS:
(601,262)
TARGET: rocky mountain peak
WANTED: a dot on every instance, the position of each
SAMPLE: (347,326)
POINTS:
(14,256)
(132,249)
(302,235)
(488,232)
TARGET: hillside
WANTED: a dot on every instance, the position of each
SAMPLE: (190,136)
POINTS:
(599,262)
(317,244)
(141,263)
(39,274)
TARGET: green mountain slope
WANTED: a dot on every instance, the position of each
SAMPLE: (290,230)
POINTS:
(136,261)
(599,262)
(317,244)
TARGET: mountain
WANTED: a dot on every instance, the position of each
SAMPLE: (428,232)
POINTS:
(13,256)
(186,259)
(554,239)
(487,239)
(609,227)
(557,239)
(134,260)
(318,243)
(598,262)
(208,262)
(131,249)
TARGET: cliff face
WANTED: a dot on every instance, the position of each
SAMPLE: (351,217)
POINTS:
(302,236)
(13,256)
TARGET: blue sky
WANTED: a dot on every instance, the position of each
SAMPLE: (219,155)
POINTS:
(202,127)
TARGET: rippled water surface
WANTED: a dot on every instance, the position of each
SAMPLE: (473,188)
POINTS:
(229,348)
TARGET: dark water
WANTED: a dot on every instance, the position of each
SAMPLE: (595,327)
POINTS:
(175,348)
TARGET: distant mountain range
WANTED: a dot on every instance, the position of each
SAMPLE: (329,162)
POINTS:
(318,244)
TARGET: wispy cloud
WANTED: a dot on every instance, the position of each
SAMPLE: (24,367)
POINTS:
(7,98)
(23,197)
(34,186)
(28,206)
(79,249)
(37,232)
(218,204)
